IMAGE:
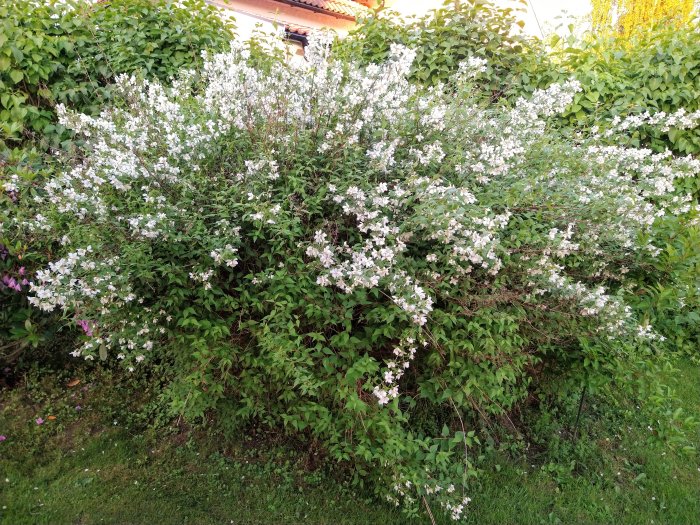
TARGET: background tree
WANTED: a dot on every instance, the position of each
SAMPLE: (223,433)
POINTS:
(627,16)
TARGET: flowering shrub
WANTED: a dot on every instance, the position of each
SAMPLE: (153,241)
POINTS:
(642,91)
(331,248)
(21,326)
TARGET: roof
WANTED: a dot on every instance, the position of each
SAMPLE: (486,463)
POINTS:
(342,8)
(297,34)
(298,30)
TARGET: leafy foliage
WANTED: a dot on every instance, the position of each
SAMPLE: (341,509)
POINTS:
(70,52)
(515,62)
(655,72)
(347,252)
(20,325)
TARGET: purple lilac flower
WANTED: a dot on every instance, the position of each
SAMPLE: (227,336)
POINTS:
(39,421)
(3,438)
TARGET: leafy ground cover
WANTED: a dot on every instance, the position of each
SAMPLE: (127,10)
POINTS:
(98,462)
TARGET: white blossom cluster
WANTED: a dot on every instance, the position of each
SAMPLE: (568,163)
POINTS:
(132,339)
(395,369)
(472,67)
(78,279)
(457,509)
(225,256)
(452,503)
(372,263)
(679,119)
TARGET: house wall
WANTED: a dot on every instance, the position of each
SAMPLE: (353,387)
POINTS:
(413,7)
(262,15)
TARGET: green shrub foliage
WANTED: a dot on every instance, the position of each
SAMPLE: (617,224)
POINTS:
(646,93)
(658,71)
(332,249)
(20,325)
(69,52)
(516,64)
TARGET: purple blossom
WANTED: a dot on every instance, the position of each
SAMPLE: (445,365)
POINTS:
(85,325)
(11,283)
(3,438)
(39,421)
(78,407)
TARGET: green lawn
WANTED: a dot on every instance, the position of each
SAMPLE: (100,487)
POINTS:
(86,467)
(117,478)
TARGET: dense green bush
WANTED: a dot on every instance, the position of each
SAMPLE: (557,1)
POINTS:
(657,71)
(69,52)
(20,325)
(337,251)
(516,64)
(377,266)
(667,293)
(655,76)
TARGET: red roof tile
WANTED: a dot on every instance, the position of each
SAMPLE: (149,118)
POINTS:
(341,7)
(304,31)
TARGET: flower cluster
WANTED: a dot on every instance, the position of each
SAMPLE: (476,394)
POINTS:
(79,281)
(371,263)
(680,119)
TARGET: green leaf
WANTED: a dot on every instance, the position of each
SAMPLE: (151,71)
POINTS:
(445,431)
(16,75)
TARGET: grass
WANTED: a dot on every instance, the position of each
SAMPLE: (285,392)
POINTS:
(102,464)
(621,475)
(93,466)
(117,478)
